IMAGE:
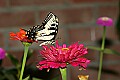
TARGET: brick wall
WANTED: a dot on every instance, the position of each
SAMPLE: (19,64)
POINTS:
(77,23)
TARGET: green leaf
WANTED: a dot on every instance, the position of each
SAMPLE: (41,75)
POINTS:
(109,51)
(27,78)
(10,70)
(94,48)
(106,50)
(37,79)
(13,59)
(56,78)
(9,75)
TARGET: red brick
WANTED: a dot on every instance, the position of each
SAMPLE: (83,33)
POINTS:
(47,2)
(93,1)
(110,77)
(111,57)
(61,36)
(115,47)
(92,55)
(15,44)
(110,33)
(21,2)
(113,1)
(115,68)
(3,3)
(2,39)
(16,19)
(34,2)
(79,34)
(110,11)
(76,15)
(83,1)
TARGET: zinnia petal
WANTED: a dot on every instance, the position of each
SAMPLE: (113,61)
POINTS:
(105,21)
(2,53)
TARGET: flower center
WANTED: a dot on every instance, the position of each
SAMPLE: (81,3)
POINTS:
(105,18)
(65,49)
(23,35)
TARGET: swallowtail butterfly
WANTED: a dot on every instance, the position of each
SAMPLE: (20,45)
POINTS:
(46,32)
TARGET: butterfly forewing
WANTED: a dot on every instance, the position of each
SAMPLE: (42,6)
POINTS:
(50,28)
(46,32)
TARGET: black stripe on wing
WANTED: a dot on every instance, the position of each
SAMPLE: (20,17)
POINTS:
(49,16)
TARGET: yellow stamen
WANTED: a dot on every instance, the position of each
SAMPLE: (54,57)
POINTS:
(63,49)
(23,35)
(105,18)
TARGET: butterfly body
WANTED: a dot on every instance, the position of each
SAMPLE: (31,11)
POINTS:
(46,32)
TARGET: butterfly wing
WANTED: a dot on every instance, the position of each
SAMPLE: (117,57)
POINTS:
(46,32)
(50,28)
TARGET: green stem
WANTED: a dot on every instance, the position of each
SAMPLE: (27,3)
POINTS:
(26,47)
(64,73)
(101,53)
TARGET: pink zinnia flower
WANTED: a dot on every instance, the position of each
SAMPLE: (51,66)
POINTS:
(105,21)
(2,53)
(60,56)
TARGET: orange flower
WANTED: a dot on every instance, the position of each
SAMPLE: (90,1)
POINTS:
(21,35)
(83,77)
